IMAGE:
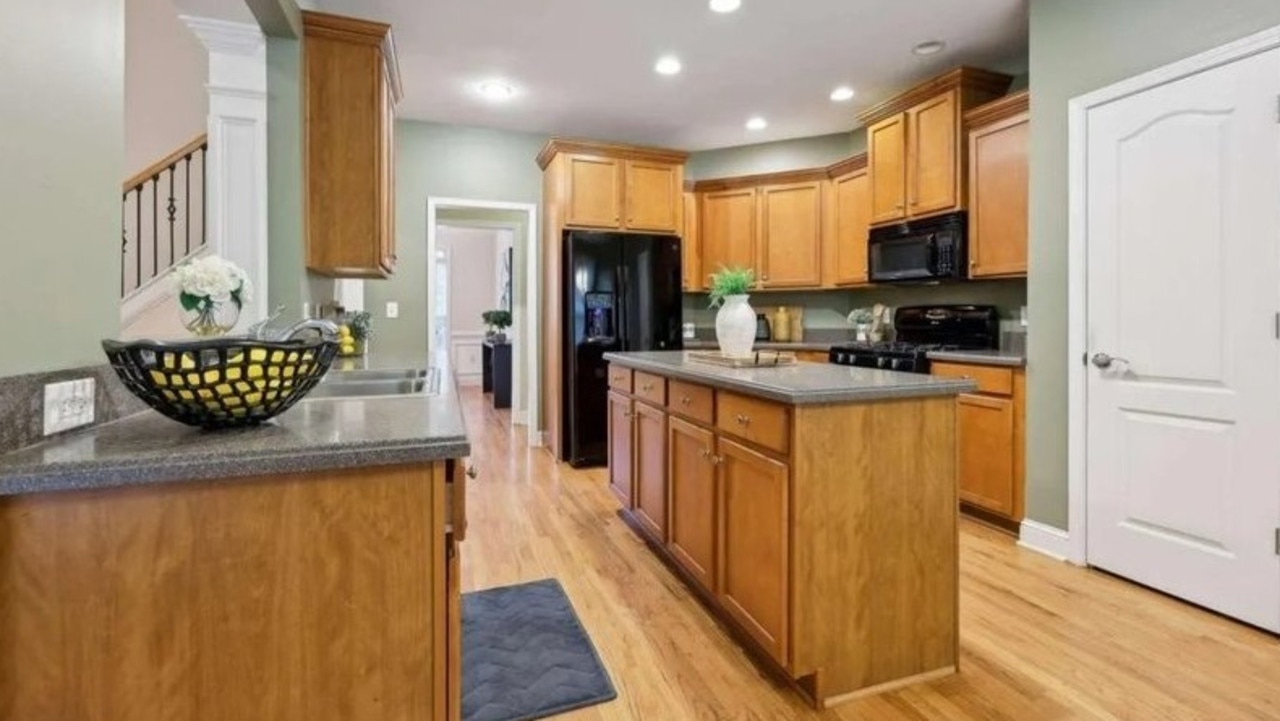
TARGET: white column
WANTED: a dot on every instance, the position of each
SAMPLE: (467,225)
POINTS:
(236,169)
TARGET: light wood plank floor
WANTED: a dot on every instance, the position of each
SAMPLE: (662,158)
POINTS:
(1041,640)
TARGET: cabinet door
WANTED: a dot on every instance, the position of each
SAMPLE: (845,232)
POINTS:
(887,161)
(998,187)
(651,469)
(985,436)
(728,230)
(691,245)
(933,160)
(851,197)
(594,192)
(754,544)
(653,197)
(693,500)
(621,440)
(453,629)
(388,193)
(791,235)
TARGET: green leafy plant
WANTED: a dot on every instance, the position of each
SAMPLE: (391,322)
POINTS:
(360,324)
(730,281)
(498,320)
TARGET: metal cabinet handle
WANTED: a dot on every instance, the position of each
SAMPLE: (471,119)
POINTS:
(743,420)
(717,460)
(685,400)
(646,387)
(1105,361)
(472,473)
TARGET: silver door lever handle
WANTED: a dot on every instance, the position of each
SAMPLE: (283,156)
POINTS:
(1105,361)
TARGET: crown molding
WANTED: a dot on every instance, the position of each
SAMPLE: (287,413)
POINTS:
(848,165)
(360,31)
(984,82)
(1001,109)
(555,146)
(227,37)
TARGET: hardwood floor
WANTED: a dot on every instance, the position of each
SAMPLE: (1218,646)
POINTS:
(1040,640)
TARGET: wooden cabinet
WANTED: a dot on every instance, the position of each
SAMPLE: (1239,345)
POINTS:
(728,230)
(999,138)
(790,241)
(990,436)
(915,145)
(691,245)
(754,544)
(351,85)
(621,444)
(849,209)
(693,517)
(650,469)
(654,197)
(594,191)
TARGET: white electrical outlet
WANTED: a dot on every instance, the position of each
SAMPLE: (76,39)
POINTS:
(68,405)
(393,309)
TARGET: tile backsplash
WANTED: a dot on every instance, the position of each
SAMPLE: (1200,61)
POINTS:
(22,402)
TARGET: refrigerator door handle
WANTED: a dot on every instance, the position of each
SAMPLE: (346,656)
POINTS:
(620,307)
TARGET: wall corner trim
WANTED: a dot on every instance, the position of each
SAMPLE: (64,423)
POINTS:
(1046,540)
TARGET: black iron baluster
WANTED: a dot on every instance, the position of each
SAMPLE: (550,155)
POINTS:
(173,211)
(124,240)
(204,195)
(186,199)
(137,244)
(155,226)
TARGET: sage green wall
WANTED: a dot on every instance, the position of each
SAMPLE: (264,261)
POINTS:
(286,276)
(443,161)
(61,164)
(813,152)
(1078,46)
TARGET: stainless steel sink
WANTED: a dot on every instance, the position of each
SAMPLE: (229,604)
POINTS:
(376,375)
(374,384)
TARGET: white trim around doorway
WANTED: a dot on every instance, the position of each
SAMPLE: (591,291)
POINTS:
(1074,541)
(527,333)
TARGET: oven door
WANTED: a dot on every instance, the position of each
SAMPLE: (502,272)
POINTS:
(913,257)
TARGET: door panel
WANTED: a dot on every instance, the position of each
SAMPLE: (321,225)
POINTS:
(933,168)
(999,185)
(791,235)
(651,469)
(1183,473)
(754,544)
(693,500)
(887,160)
(653,197)
(595,192)
(621,441)
(852,198)
(728,230)
(985,435)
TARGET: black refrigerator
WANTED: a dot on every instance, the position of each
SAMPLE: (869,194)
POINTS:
(621,292)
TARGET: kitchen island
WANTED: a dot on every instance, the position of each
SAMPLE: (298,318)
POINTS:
(302,570)
(812,507)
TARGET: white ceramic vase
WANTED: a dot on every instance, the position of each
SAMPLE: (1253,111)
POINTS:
(736,326)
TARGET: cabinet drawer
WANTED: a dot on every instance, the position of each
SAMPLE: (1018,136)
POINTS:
(692,401)
(651,388)
(620,379)
(761,422)
(998,381)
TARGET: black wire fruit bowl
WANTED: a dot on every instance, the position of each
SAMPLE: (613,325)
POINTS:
(222,382)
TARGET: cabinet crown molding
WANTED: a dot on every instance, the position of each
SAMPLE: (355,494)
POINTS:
(786,177)
(846,166)
(555,146)
(356,30)
(1000,109)
(962,78)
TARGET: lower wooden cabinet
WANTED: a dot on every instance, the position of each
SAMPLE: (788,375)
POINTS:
(754,544)
(453,632)
(621,442)
(693,517)
(984,425)
(650,469)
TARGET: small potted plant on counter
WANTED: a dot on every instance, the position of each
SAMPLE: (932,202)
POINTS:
(355,333)
(736,320)
(498,322)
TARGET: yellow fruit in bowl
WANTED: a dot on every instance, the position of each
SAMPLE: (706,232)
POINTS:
(347,349)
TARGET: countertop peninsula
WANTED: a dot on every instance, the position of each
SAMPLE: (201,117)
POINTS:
(799,384)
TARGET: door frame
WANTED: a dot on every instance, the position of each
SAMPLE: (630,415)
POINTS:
(526,329)
(1073,545)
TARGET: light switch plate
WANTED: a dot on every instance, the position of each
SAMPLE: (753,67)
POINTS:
(68,405)
(393,309)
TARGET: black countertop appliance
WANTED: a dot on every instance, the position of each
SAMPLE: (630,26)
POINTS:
(921,329)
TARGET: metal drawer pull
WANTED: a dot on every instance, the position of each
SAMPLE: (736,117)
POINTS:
(685,400)
(646,387)
(743,420)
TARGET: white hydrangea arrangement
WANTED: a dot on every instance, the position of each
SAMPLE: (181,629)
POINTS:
(211,280)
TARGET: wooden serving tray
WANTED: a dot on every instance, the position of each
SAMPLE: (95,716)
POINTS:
(758,359)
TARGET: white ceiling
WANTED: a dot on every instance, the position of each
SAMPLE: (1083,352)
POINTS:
(584,68)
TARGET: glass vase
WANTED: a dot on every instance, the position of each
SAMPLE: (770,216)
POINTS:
(210,318)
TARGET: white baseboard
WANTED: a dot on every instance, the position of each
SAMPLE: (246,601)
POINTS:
(468,379)
(520,418)
(1045,539)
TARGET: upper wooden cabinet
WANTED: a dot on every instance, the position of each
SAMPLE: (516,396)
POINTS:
(595,191)
(790,243)
(848,214)
(691,245)
(654,196)
(617,187)
(728,230)
(999,136)
(915,145)
(351,84)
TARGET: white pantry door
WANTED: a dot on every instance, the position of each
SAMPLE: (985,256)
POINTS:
(1183,228)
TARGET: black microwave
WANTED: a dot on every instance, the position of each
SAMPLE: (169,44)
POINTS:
(925,250)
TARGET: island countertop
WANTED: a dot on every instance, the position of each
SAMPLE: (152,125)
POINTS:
(314,435)
(799,384)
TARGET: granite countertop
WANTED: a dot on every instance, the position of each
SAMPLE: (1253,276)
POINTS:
(799,384)
(314,435)
(982,357)
(767,345)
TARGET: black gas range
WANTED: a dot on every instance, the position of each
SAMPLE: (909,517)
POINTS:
(923,329)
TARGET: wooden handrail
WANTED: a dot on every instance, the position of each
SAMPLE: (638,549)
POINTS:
(155,169)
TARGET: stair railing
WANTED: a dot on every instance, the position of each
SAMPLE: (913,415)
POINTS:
(163,215)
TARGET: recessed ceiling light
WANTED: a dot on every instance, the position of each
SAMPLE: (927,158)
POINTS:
(668,65)
(842,93)
(725,6)
(495,90)
(929,47)
(757,123)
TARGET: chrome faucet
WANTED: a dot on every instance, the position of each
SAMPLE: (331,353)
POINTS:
(326,328)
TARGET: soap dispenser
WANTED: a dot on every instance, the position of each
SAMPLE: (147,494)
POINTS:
(781,324)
